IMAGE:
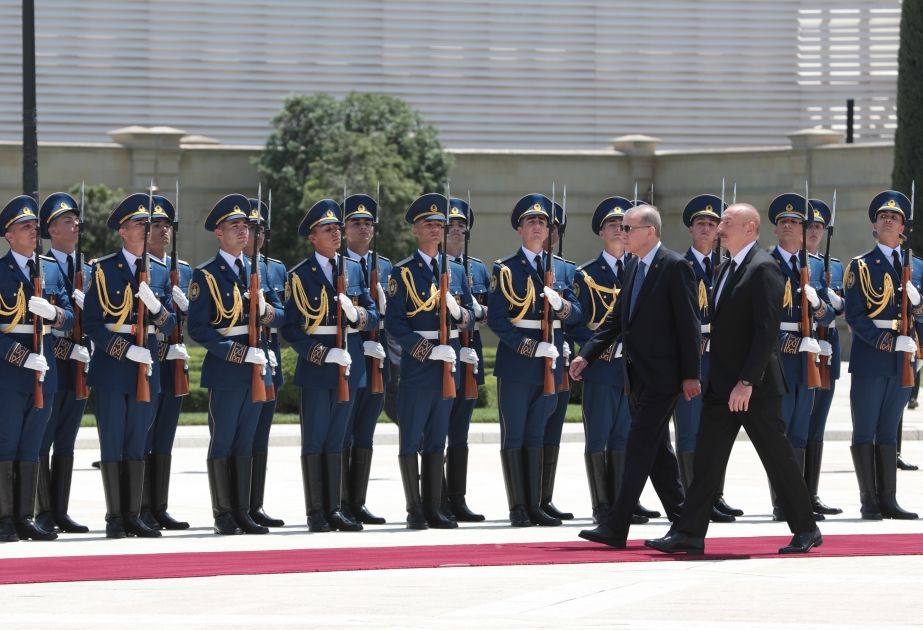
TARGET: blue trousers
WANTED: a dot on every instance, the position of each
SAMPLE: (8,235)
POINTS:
(63,424)
(460,420)
(232,419)
(823,398)
(21,427)
(263,425)
(323,421)
(606,418)
(796,413)
(555,423)
(877,403)
(688,414)
(166,418)
(423,419)
(123,424)
(363,418)
(524,411)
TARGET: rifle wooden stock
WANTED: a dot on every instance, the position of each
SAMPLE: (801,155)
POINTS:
(471,383)
(81,390)
(257,385)
(549,388)
(38,325)
(343,380)
(376,375)
(143,388)
(906,326)
(180,377)
(448,378)
(812,371)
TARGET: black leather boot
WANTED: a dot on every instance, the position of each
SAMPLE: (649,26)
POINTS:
(132,489)
(549,472)
(312,480)
(62,471)
(814,455)
(258,491)
(514,468)
(456,474)
(410,477)
(146,514)
(360,467)
(112,490)
(44,514)
(686,460)
(801,460)
(597,476)
(901,462)
(345,484)
(243,470)
(7,503)
(160,491)
(615,461)
(885,460)
(333,467)
(534,468)
(863,458)
(431,485)
(26,482)
(219,485)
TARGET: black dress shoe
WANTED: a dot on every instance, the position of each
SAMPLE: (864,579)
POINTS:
(68,525)
(538,517)
(462,512)
(677,542)
(549,509)
(820,507)
(317,521)
(341,522)
(247,524)
(778,514)
(166,521)
(416,519)
(640,510)
(903,464)
(134,526)
(717,516)
(224,525)
(601,513)
(723,506)
(115,528)
(804,542)
(362,515)
(26,529)
(147,517)
(912,403)
(260,517)
(8,530)
(637,519)
(519,517)
(46,521)
(95,464)
(604,536)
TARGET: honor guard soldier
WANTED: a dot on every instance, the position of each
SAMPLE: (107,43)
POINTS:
(413,320)
(159,446)
(527,395)
(879,350)
(361,218)
(121,368)
(832,270)
(461,221)
(219,319)
(323,291)
(797,346)
(28,372)
(60,222)
(274,279)
(701,216)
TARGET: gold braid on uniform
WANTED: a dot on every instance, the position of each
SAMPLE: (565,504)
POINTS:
(17,311)
(874,299)
(787,301)
(312,317)
(522,303)
(123,310)
(419,304)
(703,297)
(222,313)
(601,292)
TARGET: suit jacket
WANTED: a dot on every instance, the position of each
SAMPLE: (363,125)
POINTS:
(745,328)
(661,339)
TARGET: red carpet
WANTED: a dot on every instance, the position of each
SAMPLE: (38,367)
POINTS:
(203,564)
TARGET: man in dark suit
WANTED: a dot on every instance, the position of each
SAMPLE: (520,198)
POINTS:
(745,388)
(657,319)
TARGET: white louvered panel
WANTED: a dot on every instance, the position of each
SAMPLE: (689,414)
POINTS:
(528,74)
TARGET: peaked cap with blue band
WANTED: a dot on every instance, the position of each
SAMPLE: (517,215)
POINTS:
(431,206)
(54,206)
(17,210)
(234,206)
(788,206)
(890,201)
(134,207)
(609,208)
(360,206)
(321,213)
(821,212)
(709,206)
(460,210)
(258,216)
(163,209)
(531,205)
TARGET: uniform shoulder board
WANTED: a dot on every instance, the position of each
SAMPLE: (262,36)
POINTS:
(159,262)
(473,259)
(816,256)
(182,263)
(103,258)
(352,262)
(275,260)
(384,258)
(562,259)
(206,263)
(832,259)
(585,265)
(511,257)
(406,261)
(46,257)
(292,270)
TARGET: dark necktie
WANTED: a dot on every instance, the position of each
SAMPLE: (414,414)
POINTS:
(793,261)
(70,269)
(365,269)
(31,264)
(896,259)
(540,267)
(241,276)
(434,265)
(638,281)
(619,271)
(706,262)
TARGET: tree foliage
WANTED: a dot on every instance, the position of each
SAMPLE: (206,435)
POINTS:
(99,202)
(908,140)
(319,145)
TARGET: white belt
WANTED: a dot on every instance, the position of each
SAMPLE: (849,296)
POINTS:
(60,333)
(887,324)
(706,328)
(26,329)
(434,334)
(331,330)
(128,329)
(535,324)
(273,331)
(161,337)
(234,331)
(794,326)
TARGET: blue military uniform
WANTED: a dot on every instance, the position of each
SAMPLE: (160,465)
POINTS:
(312,310)
(367,404)
(219,318)
(54,473)
(123,421)
(22,424)
(877,395)
(412,320)
(515,306)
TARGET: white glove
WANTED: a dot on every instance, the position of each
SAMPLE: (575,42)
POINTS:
(338,356)
(826,350)
(80,353)
(150,300)
(835,300)
(177,351)
(546,349)
(273,362)
(469,355)
(618,351)
(139,354)
(566,351)
(43,308)
(373,349)
(382,301)
(811,294)
(255,355)
(912,294)
(348,309)
(905,344)
(553,298)
(452,305)
(78,297)
(443,353)
(180,299)
(36,362)
(262,304)
(809,344)
(478,310)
